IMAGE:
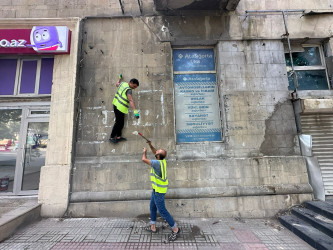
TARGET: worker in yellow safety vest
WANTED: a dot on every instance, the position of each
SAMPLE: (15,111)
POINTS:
(159,181)
(122,100)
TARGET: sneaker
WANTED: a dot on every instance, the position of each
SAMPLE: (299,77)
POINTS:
(113,140)
(173,236)
(148,229)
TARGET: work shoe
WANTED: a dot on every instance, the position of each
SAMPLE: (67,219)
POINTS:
(173,236)
(121,139)
(113,140)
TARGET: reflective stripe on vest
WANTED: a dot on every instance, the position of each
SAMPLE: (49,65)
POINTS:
(120,100)
(160,184)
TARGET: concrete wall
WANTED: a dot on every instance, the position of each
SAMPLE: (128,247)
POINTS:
(125,46)
(254,87)
(69,8)
(258,117)
(82,8)
(247,187)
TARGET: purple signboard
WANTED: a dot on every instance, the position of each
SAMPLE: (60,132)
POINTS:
(39,39)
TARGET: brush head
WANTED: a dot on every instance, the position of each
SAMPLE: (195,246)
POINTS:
(135,133)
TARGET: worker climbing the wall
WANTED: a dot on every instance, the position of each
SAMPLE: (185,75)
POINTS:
(121,101)
(159,181)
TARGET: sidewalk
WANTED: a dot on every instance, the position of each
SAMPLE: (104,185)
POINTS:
(128,233)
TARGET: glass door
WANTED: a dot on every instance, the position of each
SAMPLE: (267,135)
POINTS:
(23,145)
(34,154)
(10,123)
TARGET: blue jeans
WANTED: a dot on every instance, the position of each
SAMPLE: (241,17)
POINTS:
(157,203)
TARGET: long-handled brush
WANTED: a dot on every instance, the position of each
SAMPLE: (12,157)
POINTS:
(138,133)
(143,137)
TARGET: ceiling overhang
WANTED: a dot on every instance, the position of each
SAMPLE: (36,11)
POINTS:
(195,5)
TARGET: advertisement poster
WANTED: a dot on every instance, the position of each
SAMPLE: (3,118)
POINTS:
(197,108)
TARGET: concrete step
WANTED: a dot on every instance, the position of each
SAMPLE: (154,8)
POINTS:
(14,217)
(316,220)
(308,233)
(321,207)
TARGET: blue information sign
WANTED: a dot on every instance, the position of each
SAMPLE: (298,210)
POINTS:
(193,60)
(197,108)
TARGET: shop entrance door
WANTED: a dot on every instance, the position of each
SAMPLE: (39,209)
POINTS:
(34,153)
(24,136)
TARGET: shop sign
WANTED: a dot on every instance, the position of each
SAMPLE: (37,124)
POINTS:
(193,60)
(197,108)
(196,96)
(39,39)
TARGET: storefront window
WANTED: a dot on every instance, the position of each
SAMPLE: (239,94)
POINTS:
(310,69)
(10,122)
(23,145)
(26,76)
(8,75)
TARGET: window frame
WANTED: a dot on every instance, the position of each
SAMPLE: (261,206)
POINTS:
(309,68)
(18,76)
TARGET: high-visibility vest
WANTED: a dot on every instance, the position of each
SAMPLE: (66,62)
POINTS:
(120,100)
(160,184)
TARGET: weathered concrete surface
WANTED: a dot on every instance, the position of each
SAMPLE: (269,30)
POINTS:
(253,87)
(224,207)
(258,119)
(17,212)
(110,187)
(125,46)
(229,172)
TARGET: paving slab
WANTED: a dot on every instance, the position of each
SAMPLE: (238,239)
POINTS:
(128,233)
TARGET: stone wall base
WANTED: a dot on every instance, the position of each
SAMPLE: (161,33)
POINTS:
(221,207)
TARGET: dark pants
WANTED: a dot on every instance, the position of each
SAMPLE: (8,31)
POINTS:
(119,124)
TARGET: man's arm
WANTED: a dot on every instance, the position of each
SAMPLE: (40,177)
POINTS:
(151,147)
(131,101)
(118,82)
(144,157)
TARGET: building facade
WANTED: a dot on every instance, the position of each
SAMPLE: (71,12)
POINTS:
(238,93)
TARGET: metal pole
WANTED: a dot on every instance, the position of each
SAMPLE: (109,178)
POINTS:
(122,6)
(290,54)
(268,11)
(140,6)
